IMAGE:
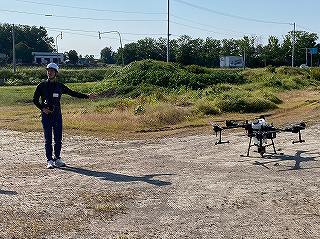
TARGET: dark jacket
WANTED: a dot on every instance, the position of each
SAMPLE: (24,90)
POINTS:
(48,94)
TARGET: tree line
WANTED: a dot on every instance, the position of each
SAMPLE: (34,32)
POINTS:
(207,52)
(184,50)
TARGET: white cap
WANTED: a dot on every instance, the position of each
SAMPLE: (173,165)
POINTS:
(53,66)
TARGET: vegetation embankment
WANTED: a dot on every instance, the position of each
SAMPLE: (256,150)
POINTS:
(153,96)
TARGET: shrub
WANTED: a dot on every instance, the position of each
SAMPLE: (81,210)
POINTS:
(195,69)
(288,83)
(285,70)
(274,82)
(207,107)
(34,75)
(271,69)
(6,74)
(163,114)
(244,102)
(265,94)
(315,74)
(217,89)
(171,75)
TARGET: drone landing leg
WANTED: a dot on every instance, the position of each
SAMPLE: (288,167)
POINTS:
(220,140)
(274,148)
(300,139)
(261,147)
(249,147)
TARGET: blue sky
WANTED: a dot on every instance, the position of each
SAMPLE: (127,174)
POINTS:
(80,21)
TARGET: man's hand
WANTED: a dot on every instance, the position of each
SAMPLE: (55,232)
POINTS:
(47,111)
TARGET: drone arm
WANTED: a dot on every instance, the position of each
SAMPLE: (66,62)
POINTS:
(296,129)
(218,129)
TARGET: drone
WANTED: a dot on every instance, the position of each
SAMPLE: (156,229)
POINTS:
(260,133)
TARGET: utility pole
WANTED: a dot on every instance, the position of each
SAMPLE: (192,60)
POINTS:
(306,56)
(13,50)
(168,47)
(293,43)
(244,58)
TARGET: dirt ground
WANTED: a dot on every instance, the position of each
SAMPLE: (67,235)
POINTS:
(174,187)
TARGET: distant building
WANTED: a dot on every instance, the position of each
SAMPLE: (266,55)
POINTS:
(47,57)
(231,61)
(83,62)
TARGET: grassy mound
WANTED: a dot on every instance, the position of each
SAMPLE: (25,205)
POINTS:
(171,75)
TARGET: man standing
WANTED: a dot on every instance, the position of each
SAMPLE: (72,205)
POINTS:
(47,98)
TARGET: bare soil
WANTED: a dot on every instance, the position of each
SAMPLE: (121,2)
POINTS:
(166,184)
(173,187)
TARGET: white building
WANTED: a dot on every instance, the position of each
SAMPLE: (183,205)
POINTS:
(47,57)
(231,61)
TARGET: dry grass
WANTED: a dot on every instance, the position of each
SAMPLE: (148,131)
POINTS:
(81,207)
(105,205)
(30,225)
(21,118)
(123,121)
(113,122)
(162,115)
(299,105)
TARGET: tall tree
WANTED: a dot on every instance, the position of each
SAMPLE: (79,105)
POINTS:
(6,39)
(23,53)
(107,55)
(188,50)
(35,38)
(130,53)
(72,56)
(147,49)
(303,40)
(161,46)
(90,59)
(210,52)
(247,47)
(230,47)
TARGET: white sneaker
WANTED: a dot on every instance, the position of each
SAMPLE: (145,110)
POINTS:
(50,164)
(58,163)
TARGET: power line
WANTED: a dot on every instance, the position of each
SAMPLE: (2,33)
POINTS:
(76,32)
(144,34)
(68,29)
(83,18)
(308,29)
(91,9)
(206,25)
(88,31)
(231,15)
(205,30)
(87,35)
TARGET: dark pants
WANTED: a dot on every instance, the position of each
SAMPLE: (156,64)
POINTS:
(52,122)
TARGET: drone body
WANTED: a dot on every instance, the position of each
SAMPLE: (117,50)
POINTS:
(259,132)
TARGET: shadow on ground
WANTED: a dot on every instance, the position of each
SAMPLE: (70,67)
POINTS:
(5,192)
(115,177)
(297,158)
